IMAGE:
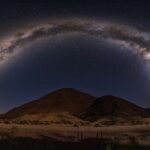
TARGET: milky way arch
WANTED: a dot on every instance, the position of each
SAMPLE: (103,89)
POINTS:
(118,34)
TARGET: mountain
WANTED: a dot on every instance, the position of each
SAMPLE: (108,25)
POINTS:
(112,107)
(63,100)
(68,104)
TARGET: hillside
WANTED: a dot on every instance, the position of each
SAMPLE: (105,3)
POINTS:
(63,100)
(111,106)
(68,104)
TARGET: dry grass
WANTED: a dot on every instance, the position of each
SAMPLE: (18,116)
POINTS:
(123,134)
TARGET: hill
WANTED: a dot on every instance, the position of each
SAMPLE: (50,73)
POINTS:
(63,100)
(70,105)
(112,107)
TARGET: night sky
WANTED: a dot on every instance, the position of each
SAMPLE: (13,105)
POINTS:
(99,47)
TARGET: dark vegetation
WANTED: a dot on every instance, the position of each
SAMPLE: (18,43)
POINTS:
(51,144)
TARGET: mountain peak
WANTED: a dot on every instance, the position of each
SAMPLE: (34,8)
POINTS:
(67,90)
(62,100)
(80,104)
(110,97)
(112,106)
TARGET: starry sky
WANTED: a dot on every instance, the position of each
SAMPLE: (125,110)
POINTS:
(99,47)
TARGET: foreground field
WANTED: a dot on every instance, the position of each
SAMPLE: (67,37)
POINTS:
(125,134)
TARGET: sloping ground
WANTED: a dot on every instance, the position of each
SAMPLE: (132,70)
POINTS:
(113,107)
(70,105)
(63,100)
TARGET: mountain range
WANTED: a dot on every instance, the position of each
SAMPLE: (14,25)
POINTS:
(71,103)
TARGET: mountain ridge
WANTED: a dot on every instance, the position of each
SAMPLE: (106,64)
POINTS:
(78,104)
(61,100)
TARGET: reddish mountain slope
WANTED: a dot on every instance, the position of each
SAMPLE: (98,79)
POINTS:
(80,104)
(63,100)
